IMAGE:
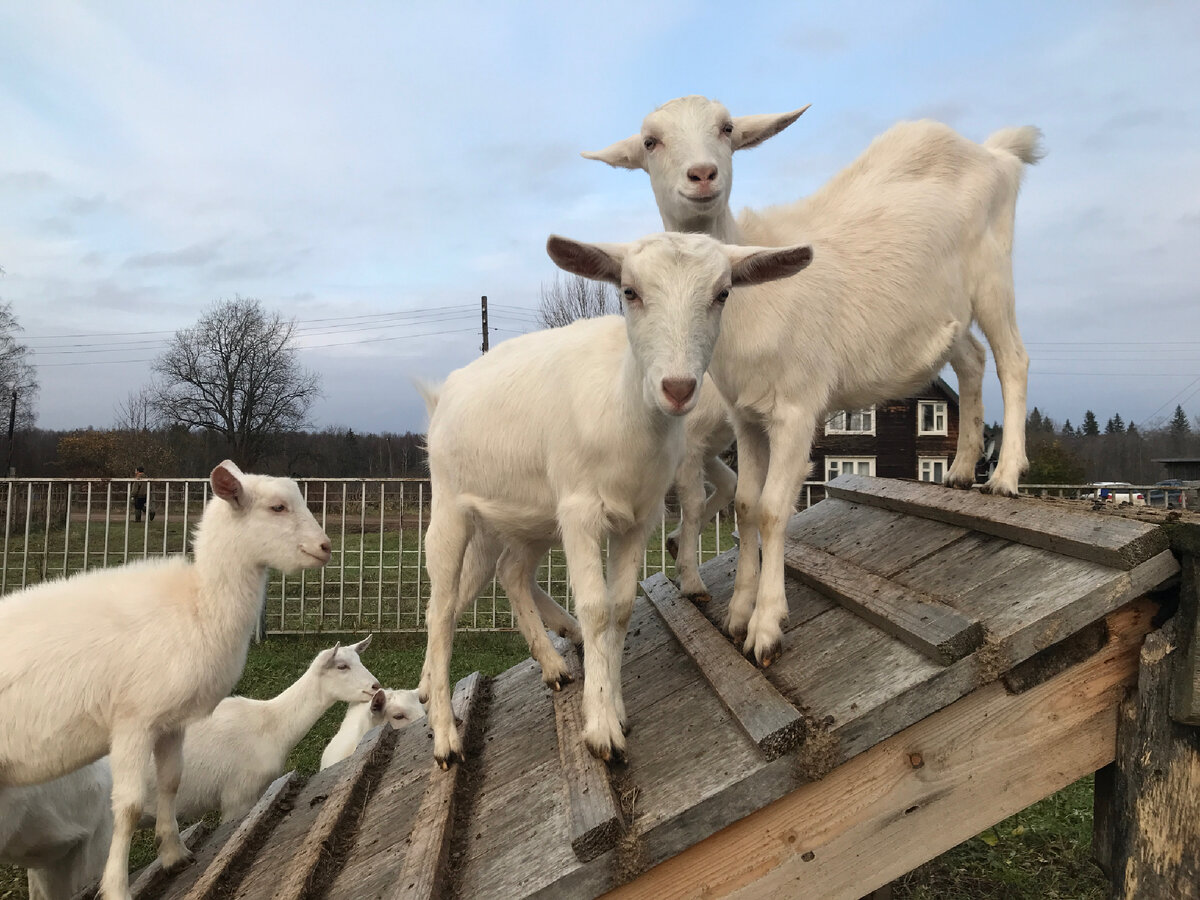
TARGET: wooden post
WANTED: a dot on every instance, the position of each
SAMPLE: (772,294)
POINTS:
(1185,690)
(1155,841)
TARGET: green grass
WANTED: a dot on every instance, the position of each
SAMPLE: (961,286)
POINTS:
(1040,853)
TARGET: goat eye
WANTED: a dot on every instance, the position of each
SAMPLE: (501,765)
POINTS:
(722,297)
(649,143)
(343,666)
(727,128)
(630,295)
(400,717)
(280,507)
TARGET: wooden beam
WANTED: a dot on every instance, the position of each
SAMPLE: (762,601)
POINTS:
(918,793)
(596,822)
(245,840)
(1185,692)
(150,877)
(765,715)
(1156,792)
(1109,540)
(922,622)
(335,813)
(424,870)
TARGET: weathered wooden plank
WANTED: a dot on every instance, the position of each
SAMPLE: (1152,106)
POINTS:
(149,878)
(917,794)
(881,541)
(423,873)
(1185,679)
(767,718)
(334,814)
(918,619)
(1109,540)
(249,834)
(1156,791)
(1045,664)
(1103,810)
(595,818)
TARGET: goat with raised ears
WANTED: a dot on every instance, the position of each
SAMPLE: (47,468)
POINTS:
(397,708)
(142,651)
(913,244)
(573,435)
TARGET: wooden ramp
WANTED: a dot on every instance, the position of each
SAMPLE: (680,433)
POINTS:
(949,659)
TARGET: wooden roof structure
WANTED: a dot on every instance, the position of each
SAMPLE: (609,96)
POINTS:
(950,658)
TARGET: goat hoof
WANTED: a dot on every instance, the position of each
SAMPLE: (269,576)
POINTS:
(673,547)
(444,762)
(768,655)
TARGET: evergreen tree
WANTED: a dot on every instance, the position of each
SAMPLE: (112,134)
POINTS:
(1090,426)
(1132,431)
(1068,430)
(1034,421)
(1110,426)
(1118,424)
(1179,423)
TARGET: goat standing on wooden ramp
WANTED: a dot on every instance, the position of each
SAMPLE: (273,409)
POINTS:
(120,660)
(574,434)
(397,708)
(913,244)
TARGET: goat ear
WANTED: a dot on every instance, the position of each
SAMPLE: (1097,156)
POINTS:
(750,131)
(754,265)
(333,654)
(599,262)
(226,483)
(362,645)
(626,154)
(378,701)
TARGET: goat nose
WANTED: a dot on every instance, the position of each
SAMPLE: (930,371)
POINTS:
(679,390)
(374,685)
(326,546)
(702,173)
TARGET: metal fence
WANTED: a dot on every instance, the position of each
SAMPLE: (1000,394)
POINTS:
(375,581)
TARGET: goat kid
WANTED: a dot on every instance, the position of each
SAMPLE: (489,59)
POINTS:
(397,708)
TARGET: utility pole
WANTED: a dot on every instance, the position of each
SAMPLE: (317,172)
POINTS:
(483,305)
(12,424)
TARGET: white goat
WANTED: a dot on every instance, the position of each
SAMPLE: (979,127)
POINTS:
(141,651)
(913,244)
(574,434)
(233,755)
(398,708)
(59,830)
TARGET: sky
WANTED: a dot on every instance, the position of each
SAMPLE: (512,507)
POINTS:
(371,169)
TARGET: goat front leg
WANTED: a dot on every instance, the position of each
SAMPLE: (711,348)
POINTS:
(790,436)
(602,732)
(168,765)
(129,754)
(753,457)
(625,553)
(968,361)
(689,486)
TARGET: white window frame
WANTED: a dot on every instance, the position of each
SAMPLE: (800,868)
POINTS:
(939,406)
(922,461)
(842,460)
(845,416)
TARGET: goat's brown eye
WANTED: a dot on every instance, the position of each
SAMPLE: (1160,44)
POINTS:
(343,666)
(630,295)
(727,128)
(649,143)
(399,716)
(279,507)
(722,296)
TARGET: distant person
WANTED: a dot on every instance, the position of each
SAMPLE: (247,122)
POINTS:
(138,490)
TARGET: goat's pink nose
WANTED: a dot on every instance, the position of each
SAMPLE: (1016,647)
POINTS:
(706,172)
(680,390)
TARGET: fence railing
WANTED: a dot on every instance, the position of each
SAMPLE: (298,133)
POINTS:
(376,578)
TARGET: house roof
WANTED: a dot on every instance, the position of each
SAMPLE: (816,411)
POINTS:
(903,598)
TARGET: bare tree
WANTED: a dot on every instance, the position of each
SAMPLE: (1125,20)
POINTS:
(572,297)
(235,373)
(137,411)
(17,374)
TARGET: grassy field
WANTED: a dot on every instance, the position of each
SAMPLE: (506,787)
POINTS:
(1043,852)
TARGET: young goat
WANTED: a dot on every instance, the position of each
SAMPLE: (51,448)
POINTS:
(395,707)
(233,755)
(914,244)
(574,434)
(59,830)
(143,650)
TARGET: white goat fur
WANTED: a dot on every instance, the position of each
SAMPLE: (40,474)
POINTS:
(574,434)
(142,650)
(397,708)
(913,243)
(232,756)
(59,830)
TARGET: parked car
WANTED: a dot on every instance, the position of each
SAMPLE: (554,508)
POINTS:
(1111,492)
(1171,499)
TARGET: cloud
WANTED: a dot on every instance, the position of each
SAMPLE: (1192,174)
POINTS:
(187,257)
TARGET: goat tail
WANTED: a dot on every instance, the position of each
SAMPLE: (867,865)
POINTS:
(430,392)
(1025,143)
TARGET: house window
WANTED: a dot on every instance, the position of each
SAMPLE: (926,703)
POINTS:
(932,468)
(931,417)
(852,421)
(848,465)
